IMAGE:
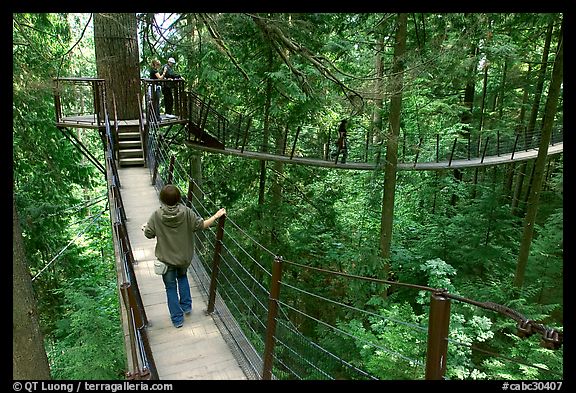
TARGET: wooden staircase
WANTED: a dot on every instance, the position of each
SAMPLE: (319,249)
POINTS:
(130,149)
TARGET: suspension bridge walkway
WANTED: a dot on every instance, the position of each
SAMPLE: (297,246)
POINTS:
(252,318)
(198,350)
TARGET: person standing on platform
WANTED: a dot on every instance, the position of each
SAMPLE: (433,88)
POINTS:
(168,87)
(155,73)
(173,225)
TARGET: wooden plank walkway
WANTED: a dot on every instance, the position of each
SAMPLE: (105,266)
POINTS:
(197,350)
(420,166)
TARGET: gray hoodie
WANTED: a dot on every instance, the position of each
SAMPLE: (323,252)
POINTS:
(174,227)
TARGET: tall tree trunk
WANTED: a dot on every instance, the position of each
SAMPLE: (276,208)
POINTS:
(117,61)
(196,174)
(266,136)
(29,360)
(466,117)
(508,180)
(194,54)
(502,88)
(480,128)
(519,129)
(522,114)
(376,135)
(276,189)
(532,208)
(397,85)
(533,115)
(483,101)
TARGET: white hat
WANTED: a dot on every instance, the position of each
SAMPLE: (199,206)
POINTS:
(171,60)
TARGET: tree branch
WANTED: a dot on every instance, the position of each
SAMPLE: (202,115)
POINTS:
(209,23)
(281,41)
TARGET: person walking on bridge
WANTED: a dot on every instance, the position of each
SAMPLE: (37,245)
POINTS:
(341,142)
(173,225)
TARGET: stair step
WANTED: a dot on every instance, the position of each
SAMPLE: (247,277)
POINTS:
(129,135)
(127,144)
(126,153)
(131,161)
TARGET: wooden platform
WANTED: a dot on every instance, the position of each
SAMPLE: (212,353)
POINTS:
(90,121)
(197,350)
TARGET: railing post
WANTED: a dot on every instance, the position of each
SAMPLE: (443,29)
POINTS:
(171,170)
(294,143)
(514,148)
(484,152)
(124,289)
(97,102)
(417,152)
(156,156)
(438,322)
(452,152)
(57,101)
(216,264)
(204,114)
(246,135)
(437,146)
(272,313)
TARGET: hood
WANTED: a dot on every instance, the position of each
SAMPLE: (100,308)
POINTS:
(173,216)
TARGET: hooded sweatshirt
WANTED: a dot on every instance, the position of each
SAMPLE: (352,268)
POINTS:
(174,227)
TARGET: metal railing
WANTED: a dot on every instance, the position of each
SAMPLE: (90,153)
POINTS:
(236,131)
(140,360)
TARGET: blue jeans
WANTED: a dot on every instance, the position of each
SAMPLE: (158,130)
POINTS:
(177,292)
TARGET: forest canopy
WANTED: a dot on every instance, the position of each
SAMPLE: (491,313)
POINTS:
(404,82)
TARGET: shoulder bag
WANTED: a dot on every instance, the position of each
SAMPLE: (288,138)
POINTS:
(160,267)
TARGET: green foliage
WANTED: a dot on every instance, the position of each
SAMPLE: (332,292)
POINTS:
(58,196)
(449,232)
(87,343)
(386,340)
(547,259)
(499,289)
(438,275)
(463,334)
(521,357)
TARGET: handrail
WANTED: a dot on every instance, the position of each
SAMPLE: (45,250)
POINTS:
(142,365)
(216,123)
